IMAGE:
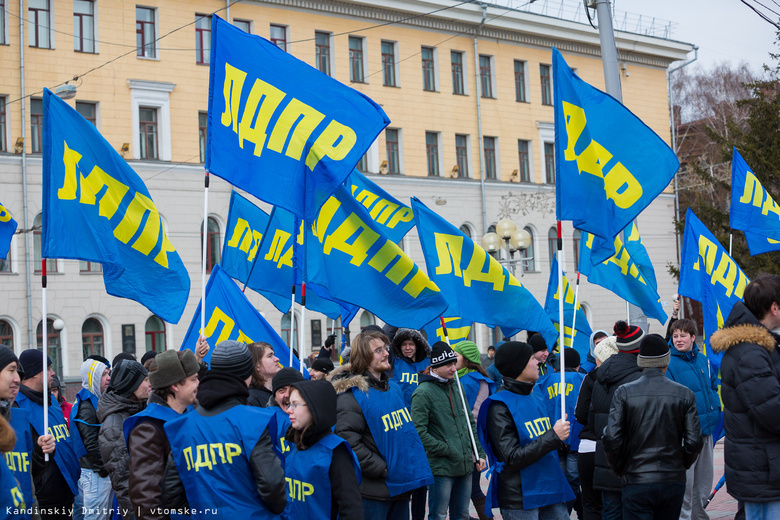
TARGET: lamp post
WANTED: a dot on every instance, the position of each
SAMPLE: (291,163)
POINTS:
(514,240)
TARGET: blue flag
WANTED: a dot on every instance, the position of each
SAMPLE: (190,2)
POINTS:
(97,209)
(636,249)
(753,210)
(229,315)
(395,217)
(621,275)
(709,275)
(579,337)
(604,155)
(7,229)
(278,128)
(475,284)
(458,330)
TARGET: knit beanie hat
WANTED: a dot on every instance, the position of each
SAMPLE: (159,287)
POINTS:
(32,362)
(286,377)
(470,351)
(7,357)
(149,355)
(537,343)
(606,348)
(122,356)
(653,352)
(512,358)
(91,373)
(127,377)
(442,354)
(232,357)
(170,370)
(322,364)
(628,336)
(100,358)
(571,358)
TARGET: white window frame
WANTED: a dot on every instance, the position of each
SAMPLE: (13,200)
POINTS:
(97,110)
(546,135)
(51,26)
(4,21)
(286,34)
(250,22)
(152,94)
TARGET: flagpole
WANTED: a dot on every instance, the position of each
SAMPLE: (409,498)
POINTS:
(44,353)
(462,398)
(302,330)
(576,300)
(292,316)
(731,237)
(561,355)
(203,264)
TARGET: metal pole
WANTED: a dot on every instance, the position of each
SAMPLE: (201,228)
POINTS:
(479,123)
(205,243)
(45,353)
(561,326)
(25,238)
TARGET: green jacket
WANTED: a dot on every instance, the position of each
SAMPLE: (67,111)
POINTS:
(437,413)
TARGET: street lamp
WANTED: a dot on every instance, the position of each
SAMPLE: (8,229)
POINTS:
(514,240)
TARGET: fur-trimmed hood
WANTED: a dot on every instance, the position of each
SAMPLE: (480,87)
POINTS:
(423,350)
(343,380)
(742,327)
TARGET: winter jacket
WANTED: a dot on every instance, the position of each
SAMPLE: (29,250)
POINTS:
(438,414)
(505,441)
(653,434)
(112,411)
(618,370)
(89,436)
(582,408)
(691,369)
(750,387)
(259,396)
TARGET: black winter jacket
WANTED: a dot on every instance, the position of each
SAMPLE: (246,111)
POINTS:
(653,433)
(89,436)
(582,409)
(503,436)
(614,372)
(750,388)
(259,397)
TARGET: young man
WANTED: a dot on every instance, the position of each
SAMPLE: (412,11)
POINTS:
(515,431)
(321,368)
(174,380)
(652,436)
(541,352)
(443,424)
(487,359)
(280,400)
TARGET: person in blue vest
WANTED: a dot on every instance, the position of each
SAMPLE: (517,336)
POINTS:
(374,419)
(94,499)
(280,400)
(690,368)
(174,379)
(12,504)
(223,452)
(526,481)
(56,481)
(322,472)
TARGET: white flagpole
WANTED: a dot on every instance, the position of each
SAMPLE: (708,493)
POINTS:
(576,301)
(292,317)
(45,353)
(731,238)
(561,327)
(205,244)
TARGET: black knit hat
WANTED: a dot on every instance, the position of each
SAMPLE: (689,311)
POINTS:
(537,343)
(322,364)
(122,356)
(149,355)
(127,377)
(32,362)
(571,358)
(7,357)
(442,354)
(628,336)
(653,352)
(286,377)
(232,357)
(512,357)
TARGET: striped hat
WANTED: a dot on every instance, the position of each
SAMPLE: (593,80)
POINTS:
(628,337)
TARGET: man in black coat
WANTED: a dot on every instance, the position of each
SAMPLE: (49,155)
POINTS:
(653,436)
(750,388)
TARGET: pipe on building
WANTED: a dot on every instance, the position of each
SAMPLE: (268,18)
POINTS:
(479,121)
(28,279)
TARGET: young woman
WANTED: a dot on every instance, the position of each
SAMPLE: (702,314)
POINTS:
(266,366)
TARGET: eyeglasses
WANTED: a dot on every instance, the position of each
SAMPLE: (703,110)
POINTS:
(379,350)
(293,406)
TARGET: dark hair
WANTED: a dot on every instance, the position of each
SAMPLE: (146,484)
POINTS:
(257,350)
(491,347)
(474,366)
(685,325)
(361,355)
(761,293)
(598,335)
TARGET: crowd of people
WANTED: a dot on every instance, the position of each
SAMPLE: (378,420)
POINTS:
(403,427)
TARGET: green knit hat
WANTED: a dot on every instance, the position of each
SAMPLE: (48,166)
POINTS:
(469,350)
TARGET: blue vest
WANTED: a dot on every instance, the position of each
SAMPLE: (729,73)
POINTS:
(278,435)
(550,395)
(396,439)
(543,482)
(212,455)
(19,460)
(75,436)
(308,482)
(152,411)
(470,382)
(406,375)
(11,496)
(64,456)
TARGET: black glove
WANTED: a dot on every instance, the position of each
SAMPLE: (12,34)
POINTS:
(330,341)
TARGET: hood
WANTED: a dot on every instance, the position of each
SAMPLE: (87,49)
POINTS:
(423,350)
(617,367)
(321,399)
(217,387)
(111,403)
(343,380)
(91,374)
(742,327)
(591,356)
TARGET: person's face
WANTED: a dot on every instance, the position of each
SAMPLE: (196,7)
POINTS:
(51,376)
(56,393)
(9,381)
(380,354)
(142,392)
(541,356)
(682,341)
(408,348)
(316,375)
(530,373)
(460,363)
(268,365)
(491,352)
(445,372)
(300,415)
(105,380)
(282,396)
(599,340)
(187,390)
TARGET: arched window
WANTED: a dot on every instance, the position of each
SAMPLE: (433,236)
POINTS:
(91,338)
(530,264)
(366,319)
(6,334)
(212,244)
(53,342)
(552,243)
(288,331)
(466,230)
(51,264)
(155,334)
(575,242)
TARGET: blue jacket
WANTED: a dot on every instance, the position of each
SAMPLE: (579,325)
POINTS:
(690,370)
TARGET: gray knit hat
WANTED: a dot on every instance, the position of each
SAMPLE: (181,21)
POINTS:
(171,370)
(653,352)
(127,377)
(232,357)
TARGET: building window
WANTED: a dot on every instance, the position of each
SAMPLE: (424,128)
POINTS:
(549,162)
(145,30)
(393,150)
(432,152)
(529,265)
(456,59)
(388,64)
(462,155)
(6,334)
(148,136)
(322,51)
(83,25)
(552,243)
(356,60)
(90,267)
(490,157)
(51,263)
(3,122)
(244,25)
(203,119)
(53,344)
(465,230)
(575,241)
(525,162)
(202,39)
(520,81)
(88,111)
(279,36)
(155,334)
(429,69)
(544,74)
(5,263)
(36,124)
(290,334)
(362,164)
(91,338)
(212,244)
(3,30)
(39,23)
(367,319)
(486,76)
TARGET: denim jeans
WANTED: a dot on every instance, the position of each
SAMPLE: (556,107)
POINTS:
(657,501)
(386,510)
(611,505)
(94,499)
(762,510)
(449,493)
(551,512)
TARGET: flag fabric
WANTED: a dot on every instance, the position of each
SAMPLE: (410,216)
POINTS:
(229,315)
(277,127)
(395,217)
(753,210)
(246,225)
(609,164)
(579,337)
(621,275)
(458,329)
(7,229)
(97,209)
(709,275)
(474,283)
(636,249)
